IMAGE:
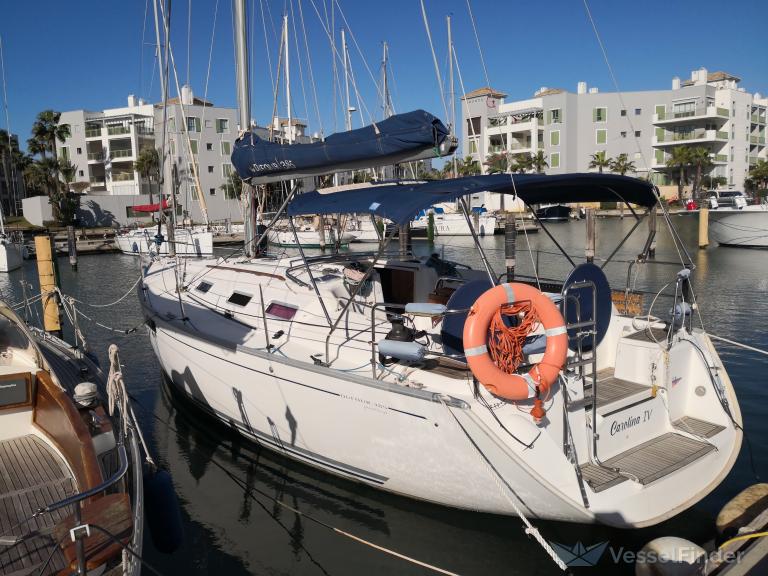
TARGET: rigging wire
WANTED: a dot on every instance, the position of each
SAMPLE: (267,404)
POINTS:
(189,37)
(616,85)
(477,40)
(298,60)
(309,66)
(267,44)
(141,46)
(210,59)
(434,57)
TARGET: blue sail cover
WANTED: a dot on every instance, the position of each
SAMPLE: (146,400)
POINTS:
(399,138)
(400,202)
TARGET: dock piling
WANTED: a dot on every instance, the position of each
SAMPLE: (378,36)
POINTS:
(703,227)
(72,246)
(510,241)
(47,275)
(591,235)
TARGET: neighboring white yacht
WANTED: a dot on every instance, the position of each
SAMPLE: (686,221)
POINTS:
(10,254)
(449,222)
(740,225)
(142,241)
(358,367)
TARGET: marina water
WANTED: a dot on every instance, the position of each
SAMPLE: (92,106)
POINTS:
(227,486)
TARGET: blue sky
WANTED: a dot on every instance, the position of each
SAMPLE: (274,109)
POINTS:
(89,53)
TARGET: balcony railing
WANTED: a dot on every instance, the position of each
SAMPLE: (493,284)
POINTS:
(96,180)
(121,153)
(708,111)
(122,176)
(95,156)
(757,139)
(720,157)
(758,118)
(753,160)
(691,135)
(496,122)
(93,133)
(112,130)
(495,149)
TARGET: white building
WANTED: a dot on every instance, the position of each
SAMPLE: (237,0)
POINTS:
(709,110)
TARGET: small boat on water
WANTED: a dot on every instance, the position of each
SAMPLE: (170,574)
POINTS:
(449,222)
(553,212)
(308,236)
(740,225)
(193,242)
(66,462)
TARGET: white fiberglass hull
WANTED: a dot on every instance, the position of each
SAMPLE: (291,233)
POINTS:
(426,436)
(192,243)
(454,224)
(747,227)
(307,238)
(10,256)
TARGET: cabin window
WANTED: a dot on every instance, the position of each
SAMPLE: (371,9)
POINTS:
(282,311)
(239,299)
(204,287)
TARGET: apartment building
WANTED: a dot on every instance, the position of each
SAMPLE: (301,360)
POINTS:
(105,145)
(709,110)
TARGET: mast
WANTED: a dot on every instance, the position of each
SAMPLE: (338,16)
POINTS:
(244,108)
(167,179)
(387,106)
(348,110)
(450,88)
(10,144)
(287,78)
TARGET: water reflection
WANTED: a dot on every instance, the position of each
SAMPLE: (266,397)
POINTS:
(228,486)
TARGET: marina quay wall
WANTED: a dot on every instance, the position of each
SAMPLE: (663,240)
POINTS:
(98,211)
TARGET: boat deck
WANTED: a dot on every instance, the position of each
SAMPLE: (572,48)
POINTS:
(646,462)
(32,475)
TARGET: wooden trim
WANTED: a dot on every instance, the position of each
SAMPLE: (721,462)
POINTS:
(254,272)
(55,415)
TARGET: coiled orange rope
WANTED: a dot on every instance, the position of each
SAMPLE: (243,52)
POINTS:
(505,343)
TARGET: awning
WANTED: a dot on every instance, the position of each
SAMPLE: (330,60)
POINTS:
(399,203)
(150,207)
(399,138)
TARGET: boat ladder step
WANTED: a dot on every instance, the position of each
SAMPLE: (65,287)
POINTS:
(647,462)
(697,427)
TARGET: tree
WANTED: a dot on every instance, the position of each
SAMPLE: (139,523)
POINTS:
(759,174)
(46,131)
(148,165)
(233,187)
(700,160)
(539,161)
(622,165)
(679,159)
(599,160)
(467,167)
(522,163)
(497,163)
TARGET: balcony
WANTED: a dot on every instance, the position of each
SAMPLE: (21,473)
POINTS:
(700,112)
(122,176)
(93,133)
(758,118)
(95,156)
(757,139)
(121,153)
(115,130)
(690,137)
(719,158)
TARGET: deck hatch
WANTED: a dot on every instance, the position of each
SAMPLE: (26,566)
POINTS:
(204,287)
(239,299)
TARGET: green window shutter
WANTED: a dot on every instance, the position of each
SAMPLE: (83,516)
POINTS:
(601,136)
(659,156)
(660,134)
(554,138)
(555,160)
(660,109)
(549,117)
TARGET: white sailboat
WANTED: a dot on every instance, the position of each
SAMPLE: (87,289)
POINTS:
(10,253)
(378,368)
(449,222)
(745,226)
(191,242)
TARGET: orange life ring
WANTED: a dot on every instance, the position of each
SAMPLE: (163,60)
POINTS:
(514,386)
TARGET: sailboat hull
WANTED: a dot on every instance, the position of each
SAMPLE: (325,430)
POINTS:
(10,257)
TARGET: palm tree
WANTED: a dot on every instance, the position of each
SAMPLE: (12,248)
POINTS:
(599,160)
(539,162)
(622,165)
(699,159)
(496,163)
(467,167)
(46,131)
(523,163)
(65,199)
(759,174)
(679,159)
(148,165)
(233,187)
